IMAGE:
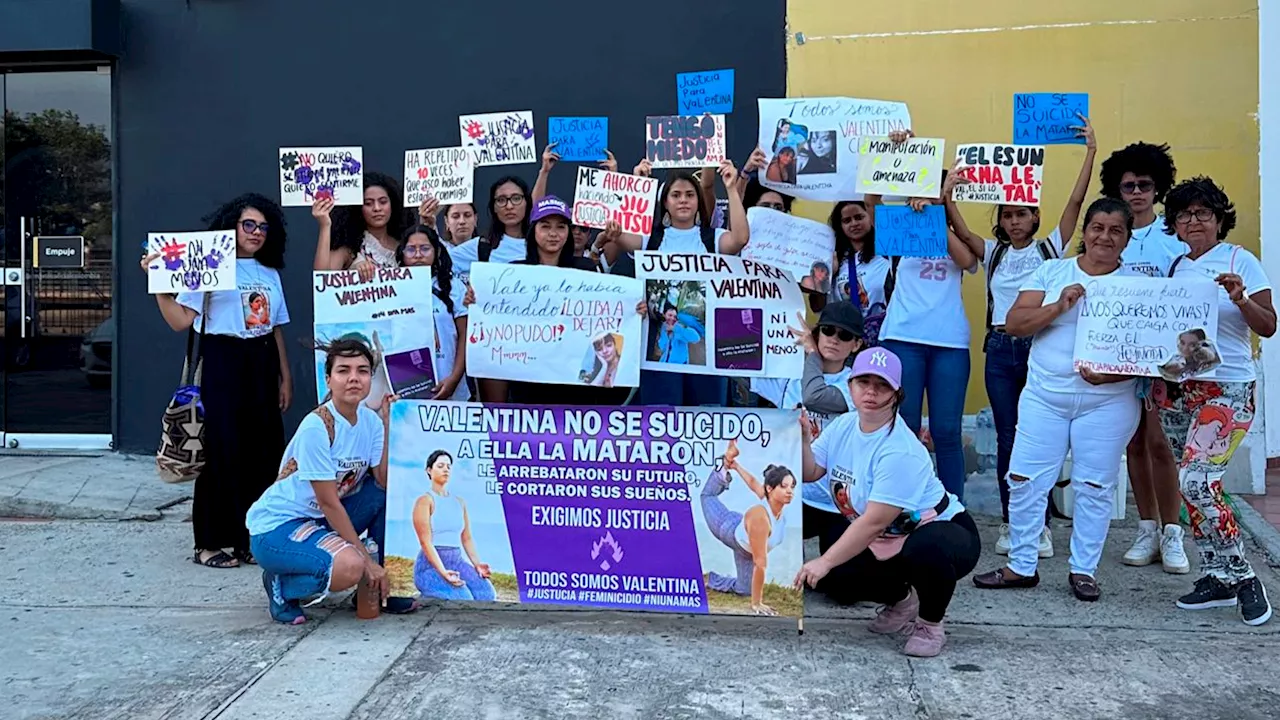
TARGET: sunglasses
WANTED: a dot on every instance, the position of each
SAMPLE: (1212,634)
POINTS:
(1137,187)
(773,206)
(843,335)
(251,226)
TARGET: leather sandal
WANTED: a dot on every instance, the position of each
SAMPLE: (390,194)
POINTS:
(219,559)
(1085,588)
(1005,578)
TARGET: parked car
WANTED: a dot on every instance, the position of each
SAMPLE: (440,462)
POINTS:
(95,354)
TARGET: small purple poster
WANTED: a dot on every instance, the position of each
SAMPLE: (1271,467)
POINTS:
(411,373)
(739,338)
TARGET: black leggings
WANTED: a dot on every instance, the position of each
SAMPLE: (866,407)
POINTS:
(824,525)
(932,559)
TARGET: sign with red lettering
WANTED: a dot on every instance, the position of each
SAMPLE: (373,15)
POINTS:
(308,174)
(444,173)
(602,196)
(684,141)
(1000,174)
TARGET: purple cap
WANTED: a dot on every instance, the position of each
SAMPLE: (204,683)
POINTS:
(881,363)
(548,206)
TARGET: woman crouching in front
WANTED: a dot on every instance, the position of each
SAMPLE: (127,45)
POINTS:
(909,540)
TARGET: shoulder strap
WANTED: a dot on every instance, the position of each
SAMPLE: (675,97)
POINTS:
(484,250)
(891,280)
(708,234)
(326,417)
(1047,250)
(192,369)
(997,254)
(1174,266)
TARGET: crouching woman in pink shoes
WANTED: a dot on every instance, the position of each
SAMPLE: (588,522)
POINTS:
(909,540)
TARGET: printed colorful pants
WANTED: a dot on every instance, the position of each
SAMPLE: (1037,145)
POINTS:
(1205,422)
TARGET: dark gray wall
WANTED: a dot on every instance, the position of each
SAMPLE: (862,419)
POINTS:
(207,95)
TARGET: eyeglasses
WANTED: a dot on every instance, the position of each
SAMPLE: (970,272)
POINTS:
(773,206)
(1204,215)
(417,250)
(505,200)
(843,335)
(252,226)
(1130,188)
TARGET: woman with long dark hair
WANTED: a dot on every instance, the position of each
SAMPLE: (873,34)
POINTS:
(861,275)
(246,381)
(420,246)
(364,240)
(504,240)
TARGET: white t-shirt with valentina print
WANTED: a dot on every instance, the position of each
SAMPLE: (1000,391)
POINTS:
(251,310)
(310,458)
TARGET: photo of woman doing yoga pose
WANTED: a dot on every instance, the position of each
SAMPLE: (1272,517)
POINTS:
(751,534)
(444,532)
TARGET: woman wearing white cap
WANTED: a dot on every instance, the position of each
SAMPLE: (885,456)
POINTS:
(909,540)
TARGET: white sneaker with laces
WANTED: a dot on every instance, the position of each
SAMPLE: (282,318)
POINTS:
(1172,554)
(1002,545)
(1146,547)
(1046,543)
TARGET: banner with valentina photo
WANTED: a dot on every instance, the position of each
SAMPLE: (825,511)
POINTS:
(617,508)
(392,314)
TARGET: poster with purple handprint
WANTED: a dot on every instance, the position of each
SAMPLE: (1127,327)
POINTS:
(309,174)
(503,138)
(191,262)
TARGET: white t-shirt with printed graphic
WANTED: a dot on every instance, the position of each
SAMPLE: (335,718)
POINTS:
(309,458)
(1015,268)
(785,394)
(509,250)
(926,306)
(871,278)
(1234,343)
(689,240)
(1151,250)
(255,307)
(887,466)
(447,336)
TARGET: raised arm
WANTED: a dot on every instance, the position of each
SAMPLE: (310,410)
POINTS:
(326,257)
(549,159)
(1071,212)
(732,242)
(976,244)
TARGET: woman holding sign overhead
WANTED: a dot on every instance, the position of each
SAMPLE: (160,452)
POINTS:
(1206,420)
(363,241)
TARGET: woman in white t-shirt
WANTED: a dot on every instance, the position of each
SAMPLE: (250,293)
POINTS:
(1141,175)
(246,382)
(422,247)
(860,274)
(1091,414)
(909,540)
(1010,260)
(1206,420)
(364,240)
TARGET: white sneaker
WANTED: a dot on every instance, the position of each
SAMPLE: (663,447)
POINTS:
(1172,555)
(1146,548)
(1002,545)
(1046,543)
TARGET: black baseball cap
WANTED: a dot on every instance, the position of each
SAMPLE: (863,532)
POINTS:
(843,315)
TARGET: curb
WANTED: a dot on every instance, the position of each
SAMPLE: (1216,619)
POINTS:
(1257,527)
(20,509)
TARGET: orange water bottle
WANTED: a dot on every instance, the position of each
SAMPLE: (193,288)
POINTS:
(368,599)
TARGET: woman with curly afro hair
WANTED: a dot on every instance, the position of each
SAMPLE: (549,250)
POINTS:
(246,383)
(363,241)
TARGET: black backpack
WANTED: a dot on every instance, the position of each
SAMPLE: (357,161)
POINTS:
(1047,251)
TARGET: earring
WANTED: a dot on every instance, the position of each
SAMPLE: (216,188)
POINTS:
(666,219)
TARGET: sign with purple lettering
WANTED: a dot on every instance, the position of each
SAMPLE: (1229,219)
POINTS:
(310,174)
(685,141)
(191,261)
(653,508)
(504,138)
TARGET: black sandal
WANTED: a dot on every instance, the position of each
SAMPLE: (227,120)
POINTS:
(219,559)
(245,557)
(1084,587)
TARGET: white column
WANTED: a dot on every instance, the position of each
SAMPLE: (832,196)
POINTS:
(1269,192)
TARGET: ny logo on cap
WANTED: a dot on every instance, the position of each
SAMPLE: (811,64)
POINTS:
(880,359)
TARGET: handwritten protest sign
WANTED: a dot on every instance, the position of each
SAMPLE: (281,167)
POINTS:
(705,92)
(901,231)
(554,325)
(392,315)
(805,248)
(1047,118)
(811,144)
(719,315)
(1154,327)
(908,169)
(192,262)
(504,138)
(590,507)
(685,141)
(579,139)
(307,174)
(602,196)
(445,173)
(1000,174)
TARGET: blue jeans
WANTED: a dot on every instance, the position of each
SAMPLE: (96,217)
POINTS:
(1005,375)
(681,390)
(943,373)
(301,551)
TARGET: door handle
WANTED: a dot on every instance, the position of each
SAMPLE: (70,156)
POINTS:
(23,237)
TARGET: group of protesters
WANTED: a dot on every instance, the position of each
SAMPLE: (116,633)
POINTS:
(882,492)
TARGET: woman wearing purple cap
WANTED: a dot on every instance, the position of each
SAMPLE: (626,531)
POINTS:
(909,540)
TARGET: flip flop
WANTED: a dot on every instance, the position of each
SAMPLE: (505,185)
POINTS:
(219,559)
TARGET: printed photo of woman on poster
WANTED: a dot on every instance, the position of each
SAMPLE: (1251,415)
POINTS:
(600,366)
(1195,356)
(444,532)
(818,155)
(677,321)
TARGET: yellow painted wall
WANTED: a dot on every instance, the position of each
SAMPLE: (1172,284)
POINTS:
(1183,72)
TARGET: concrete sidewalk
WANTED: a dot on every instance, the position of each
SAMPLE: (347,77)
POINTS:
(109,486)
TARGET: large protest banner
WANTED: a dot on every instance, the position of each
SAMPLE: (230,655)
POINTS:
(579,139)
(504,138)
(684,141)
(805,248)
(1000,174)
(392,315)
(1048,118)
(601,196)
(554,325)
(912,168)
(308,174)
(1155,327)
(811,144)
(192,262)
(444,173)
(719,315)
(618,508)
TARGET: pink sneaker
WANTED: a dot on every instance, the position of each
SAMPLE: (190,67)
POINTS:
(893,618)
(926,641)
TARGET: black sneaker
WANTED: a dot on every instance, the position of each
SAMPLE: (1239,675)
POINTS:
(1209,593)
(1254,608)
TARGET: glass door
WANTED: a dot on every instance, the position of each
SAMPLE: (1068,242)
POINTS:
(55,221)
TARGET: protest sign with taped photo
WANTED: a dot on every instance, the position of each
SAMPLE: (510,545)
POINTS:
(503,138)
(602,196)
(685,141)
(805,248)
(310,174)
(1000,174)
(447,174)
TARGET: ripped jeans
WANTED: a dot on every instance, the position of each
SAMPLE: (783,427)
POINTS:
(1097,427)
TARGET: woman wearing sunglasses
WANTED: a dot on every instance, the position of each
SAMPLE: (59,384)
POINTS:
(246,382)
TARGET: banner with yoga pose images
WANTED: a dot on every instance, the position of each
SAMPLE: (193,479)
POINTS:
(654,508)
(392,315)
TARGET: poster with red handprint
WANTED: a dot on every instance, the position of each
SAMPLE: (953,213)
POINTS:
(309,174)
(602,196)
(502,138)
(191,262)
